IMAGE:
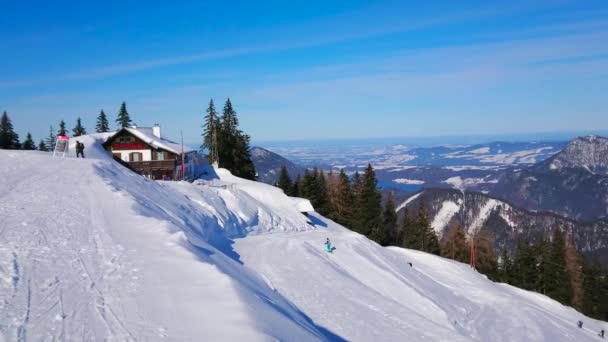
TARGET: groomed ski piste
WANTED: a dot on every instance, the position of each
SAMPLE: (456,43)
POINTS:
(90,251)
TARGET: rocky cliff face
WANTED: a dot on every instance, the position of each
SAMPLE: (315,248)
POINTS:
(573,183)
(505,222)
(589,153)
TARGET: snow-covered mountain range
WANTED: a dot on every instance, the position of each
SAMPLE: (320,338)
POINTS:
(573,183)
(91,251)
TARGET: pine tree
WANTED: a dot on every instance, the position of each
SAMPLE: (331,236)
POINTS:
(295,191)
(486,261)
(102,125)
(78,129)
(427,237)
(123,120)
(332,181)
(284,180)
(595,291)
(370,211)
(558,282)
(574,266)
(29,143)
(227,137)
(243,165)
(211,132)
(42,146)
(409,236)
(524,266)
(389,222)
(233,145)
(455,245)
(322,196)
(51,139)
(342,202)
(61,130)
(9,139)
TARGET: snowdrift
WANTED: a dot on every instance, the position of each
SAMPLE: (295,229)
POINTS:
(92,251)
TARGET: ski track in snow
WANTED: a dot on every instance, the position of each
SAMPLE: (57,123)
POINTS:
(90,251)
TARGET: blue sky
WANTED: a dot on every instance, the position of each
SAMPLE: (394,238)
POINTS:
(310,70)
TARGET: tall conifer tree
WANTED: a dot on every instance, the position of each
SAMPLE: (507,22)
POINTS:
(42,146)
(285,181)
(79,129)
(29,143)
(102,125)
(9,139)
(123,120)
(370,210)
(342,202)
(211,132)
(62,130)
(389,222)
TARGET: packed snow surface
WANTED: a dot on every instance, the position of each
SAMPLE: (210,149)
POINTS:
(92,251)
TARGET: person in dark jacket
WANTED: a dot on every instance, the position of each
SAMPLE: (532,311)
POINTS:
(602,333)
(79,149)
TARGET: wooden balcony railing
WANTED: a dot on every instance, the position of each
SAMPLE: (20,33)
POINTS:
(153,165)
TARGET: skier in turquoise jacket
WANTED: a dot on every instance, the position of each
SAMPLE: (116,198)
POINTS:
(328,245)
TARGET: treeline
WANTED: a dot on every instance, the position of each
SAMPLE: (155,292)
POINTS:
(226,143)
(355,202)
(9,139)
(552,267)
(555,268)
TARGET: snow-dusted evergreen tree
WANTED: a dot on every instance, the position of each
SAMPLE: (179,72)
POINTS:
(9,139)
(211,132)
(78,129)
(29,143)
(102,125)
(123,120)
(62,130)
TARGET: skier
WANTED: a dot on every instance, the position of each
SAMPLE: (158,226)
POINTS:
(328,245)
(602,333)
(580,324)
(79,149)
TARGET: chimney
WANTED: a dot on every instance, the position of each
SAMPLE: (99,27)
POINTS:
(156,130)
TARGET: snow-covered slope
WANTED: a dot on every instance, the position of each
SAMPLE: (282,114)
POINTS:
(365,292)
(91,251)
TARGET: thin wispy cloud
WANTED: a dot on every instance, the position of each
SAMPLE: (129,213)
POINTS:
(335,35)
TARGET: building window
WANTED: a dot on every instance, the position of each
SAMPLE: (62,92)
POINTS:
(125,139)
(160,155)
(136,156)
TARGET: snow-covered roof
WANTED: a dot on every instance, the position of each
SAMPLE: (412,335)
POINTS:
(302,204)
(146,134)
